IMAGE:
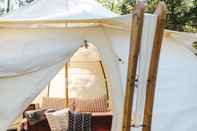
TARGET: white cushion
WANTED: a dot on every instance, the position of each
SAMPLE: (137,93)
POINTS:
(58,121)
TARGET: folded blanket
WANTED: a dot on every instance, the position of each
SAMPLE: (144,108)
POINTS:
(79,121)
(35,116)
(58,120)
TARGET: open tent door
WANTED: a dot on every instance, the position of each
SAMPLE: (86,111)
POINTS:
(85,75)
(86,81)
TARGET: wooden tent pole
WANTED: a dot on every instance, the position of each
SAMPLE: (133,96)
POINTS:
(135,41)
(66,85)
(161,13)
(48,89)
(104,75)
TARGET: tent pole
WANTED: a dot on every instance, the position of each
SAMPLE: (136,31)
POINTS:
(161,13)
(104,75)
(66,85)
(135,41)
(48,89)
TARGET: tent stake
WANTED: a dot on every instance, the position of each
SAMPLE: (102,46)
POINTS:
(135,41)
(161,12)
(66,85)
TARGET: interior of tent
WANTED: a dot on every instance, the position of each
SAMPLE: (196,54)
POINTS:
(82,83)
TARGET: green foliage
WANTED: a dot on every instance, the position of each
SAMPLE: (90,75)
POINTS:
(9,5)
(23,2)
(194,44)
(182,14)
(111,4)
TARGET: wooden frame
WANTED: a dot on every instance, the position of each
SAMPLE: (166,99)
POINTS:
(66,85)
(135,41)
(161,12)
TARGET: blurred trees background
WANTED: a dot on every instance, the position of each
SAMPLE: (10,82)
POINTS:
(9,5)
(182,13)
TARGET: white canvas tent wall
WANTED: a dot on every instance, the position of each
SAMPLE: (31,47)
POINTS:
(176,84)
(174,109)
(31,54)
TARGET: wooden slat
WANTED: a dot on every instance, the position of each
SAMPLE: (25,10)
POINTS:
(161,12)
(66,86)
(135,41)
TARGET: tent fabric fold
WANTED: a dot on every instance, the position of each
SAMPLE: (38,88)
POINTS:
(27,48)
(18,92)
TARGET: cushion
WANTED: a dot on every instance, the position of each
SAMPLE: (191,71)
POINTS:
(98,104)
(53,103)
(58,121)
(57,103)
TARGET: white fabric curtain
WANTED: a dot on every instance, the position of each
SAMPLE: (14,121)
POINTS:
(31,57)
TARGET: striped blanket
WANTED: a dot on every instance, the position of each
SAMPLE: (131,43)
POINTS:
(79,121)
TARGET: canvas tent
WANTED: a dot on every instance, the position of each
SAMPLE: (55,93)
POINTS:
(65,41)
(35,44)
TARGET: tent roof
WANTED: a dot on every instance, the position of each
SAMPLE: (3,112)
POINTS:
(60,9)
(65,11)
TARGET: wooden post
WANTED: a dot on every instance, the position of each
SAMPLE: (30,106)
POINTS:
(66,86)
(135,41)
(161,12)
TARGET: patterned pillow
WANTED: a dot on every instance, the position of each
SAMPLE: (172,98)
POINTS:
(53,103)
(79,121)
(58,121)
(98,104)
